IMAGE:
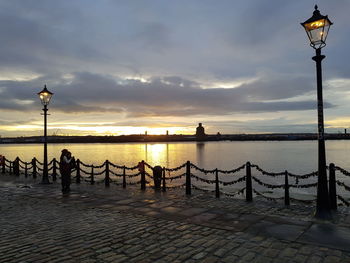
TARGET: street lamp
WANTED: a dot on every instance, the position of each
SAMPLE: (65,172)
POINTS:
(317,28)
(45,97)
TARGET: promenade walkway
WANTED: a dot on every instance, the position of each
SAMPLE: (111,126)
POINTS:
(95,224)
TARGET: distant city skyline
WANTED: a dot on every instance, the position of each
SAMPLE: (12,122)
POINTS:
(126,67)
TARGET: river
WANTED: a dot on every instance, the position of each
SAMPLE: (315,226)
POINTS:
(298,157)
(294,156)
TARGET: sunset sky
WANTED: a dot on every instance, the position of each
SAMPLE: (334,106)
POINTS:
(124,67)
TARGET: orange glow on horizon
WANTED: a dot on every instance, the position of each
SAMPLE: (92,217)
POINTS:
(342,122)
(90,129)
(125,130)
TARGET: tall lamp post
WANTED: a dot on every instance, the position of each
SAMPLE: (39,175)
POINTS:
(317,28)
(45,97)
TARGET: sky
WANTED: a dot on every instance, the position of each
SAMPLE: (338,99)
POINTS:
(120,67)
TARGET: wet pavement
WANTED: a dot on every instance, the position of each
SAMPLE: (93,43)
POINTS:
(98,224)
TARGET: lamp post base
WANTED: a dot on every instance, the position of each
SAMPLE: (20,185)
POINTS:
(323,214)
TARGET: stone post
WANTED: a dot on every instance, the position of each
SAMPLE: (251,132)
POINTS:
(34,167)
(54,169)
(286,189)
(248,180)
(217,189)
(157,177)
(332,187)
(188,178)
(77,179)
(124,177)
(107,174)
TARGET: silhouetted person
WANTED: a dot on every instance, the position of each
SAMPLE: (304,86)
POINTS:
(67,162)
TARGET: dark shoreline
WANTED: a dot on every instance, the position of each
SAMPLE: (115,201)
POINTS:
(174,138)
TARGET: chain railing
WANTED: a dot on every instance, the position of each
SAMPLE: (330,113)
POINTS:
(122,175)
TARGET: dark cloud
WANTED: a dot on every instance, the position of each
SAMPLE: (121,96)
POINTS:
(222,40)
(168,96)
(70,106)
(152,36)
(16,122)
(43,36)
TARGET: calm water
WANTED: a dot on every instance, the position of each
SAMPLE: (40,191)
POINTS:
(298,157)
(294,156)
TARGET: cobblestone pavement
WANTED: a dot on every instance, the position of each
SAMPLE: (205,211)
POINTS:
(94,224)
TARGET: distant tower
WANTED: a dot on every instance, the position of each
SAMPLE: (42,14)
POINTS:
(146,133)
(167,133)
(345,131)
(200,131)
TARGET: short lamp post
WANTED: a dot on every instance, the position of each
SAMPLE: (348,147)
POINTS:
(317,28)
(45,97)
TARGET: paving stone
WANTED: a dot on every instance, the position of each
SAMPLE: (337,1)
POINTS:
(300,258)
(91,225)
(337,253)
(192,211)
(229,259)
(103,250)
(305,250)
(261,259)
(240,252)
(221,252)
(332,259)
(199,255)
(289,252)
(249,256)
(315,259)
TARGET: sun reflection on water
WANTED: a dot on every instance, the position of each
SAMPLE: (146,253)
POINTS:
(155,152)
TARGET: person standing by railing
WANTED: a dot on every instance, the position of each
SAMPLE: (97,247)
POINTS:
(66,164)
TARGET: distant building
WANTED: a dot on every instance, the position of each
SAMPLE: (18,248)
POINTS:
(200,133)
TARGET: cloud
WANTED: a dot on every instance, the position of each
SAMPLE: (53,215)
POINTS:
(43,37)
(148,59)
(161,96)
(16,122)
(194,40)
